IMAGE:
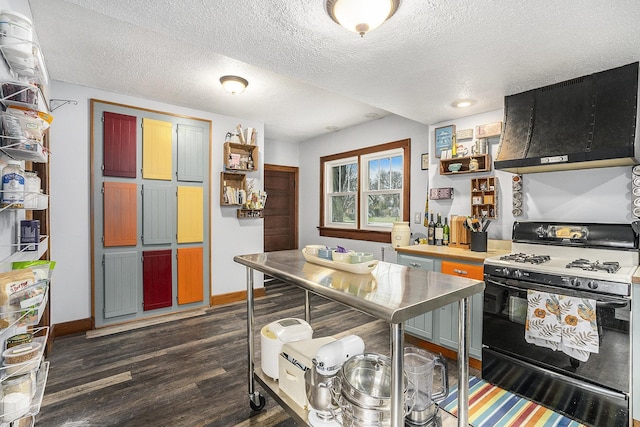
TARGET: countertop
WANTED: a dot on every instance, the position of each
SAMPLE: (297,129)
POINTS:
(391,292)
(494,248)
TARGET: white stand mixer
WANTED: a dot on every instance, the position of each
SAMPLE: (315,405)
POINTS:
(326,364)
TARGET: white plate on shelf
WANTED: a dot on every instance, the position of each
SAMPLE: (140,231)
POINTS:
(360,268)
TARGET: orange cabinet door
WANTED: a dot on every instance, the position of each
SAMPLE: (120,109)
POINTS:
(463,270)
(120,202)
(190,283)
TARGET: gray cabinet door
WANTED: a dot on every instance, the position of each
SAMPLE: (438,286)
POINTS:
(421,326)
(191,153)
(120,283)
(448,326)
(158,214)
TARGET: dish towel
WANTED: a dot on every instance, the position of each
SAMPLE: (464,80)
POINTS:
(561,322)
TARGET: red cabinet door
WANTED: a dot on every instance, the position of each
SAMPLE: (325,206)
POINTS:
(156,279)
(119,145)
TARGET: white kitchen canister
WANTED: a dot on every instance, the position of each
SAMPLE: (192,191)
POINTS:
(400,234)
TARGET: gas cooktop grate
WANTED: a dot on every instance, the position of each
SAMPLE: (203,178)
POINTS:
(525,258)
(585,264)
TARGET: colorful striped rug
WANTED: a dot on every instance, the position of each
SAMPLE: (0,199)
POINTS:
(491,406)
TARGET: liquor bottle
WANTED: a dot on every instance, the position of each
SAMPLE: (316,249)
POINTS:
(431,232)
(445,233)
(439,231)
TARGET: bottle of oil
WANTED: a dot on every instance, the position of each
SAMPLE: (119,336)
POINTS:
(445,233)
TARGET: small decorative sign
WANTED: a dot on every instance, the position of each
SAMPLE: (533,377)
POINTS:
(444,139)
(464,134)
(491,129)
(425,161)
(441,193)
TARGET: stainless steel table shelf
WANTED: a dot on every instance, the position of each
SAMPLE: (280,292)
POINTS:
(391,292)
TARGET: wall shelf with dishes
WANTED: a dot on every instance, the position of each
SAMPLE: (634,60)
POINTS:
(484,197)
(468,164)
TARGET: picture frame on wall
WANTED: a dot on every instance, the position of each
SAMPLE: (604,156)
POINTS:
(444,139)
(425,161)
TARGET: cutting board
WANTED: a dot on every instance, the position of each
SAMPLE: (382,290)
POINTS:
(459,236)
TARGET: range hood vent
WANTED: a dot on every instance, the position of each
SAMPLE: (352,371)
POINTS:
(586,122)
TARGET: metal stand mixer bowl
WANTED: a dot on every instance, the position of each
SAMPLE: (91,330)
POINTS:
(318,388)
(419,366)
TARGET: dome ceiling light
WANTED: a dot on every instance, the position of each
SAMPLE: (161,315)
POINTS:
(463,103)
(361,16)
(234,84)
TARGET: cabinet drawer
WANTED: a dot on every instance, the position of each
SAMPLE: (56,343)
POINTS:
(463,270)
(416,262)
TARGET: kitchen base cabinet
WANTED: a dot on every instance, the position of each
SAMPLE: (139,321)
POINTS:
(441,326)
(420,326)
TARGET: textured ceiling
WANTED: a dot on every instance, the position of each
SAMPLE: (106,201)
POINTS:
(306,73)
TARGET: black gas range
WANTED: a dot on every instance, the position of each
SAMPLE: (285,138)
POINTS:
(589,266)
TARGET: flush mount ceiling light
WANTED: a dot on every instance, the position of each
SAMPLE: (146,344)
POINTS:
(463,103)
(233,84)
(361,16)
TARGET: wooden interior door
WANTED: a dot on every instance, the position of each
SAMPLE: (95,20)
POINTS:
(281,210)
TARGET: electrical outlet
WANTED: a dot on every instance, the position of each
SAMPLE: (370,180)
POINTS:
(417,218)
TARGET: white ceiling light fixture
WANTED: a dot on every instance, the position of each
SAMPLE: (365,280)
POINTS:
(361,16)
(234,84)
(463,103)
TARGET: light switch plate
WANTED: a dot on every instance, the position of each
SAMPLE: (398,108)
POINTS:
(417,217)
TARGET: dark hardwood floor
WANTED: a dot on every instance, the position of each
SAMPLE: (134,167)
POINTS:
(190,372)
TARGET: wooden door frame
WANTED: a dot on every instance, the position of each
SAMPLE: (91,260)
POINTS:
(295,170)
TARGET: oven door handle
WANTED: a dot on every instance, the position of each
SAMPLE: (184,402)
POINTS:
(602,301)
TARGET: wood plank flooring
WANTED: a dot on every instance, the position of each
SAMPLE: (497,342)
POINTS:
(189,372)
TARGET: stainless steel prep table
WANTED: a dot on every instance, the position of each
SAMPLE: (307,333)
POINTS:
(397,293)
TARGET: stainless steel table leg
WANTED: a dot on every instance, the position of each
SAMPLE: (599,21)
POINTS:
(463,362)
(307,307)
(254,397)
(397,374)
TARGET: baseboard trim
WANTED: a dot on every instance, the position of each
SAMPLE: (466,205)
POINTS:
(72,327)
(434,348)
(235,297)
(82,326)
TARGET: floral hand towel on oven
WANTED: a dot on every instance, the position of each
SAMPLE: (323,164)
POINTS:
(563,323)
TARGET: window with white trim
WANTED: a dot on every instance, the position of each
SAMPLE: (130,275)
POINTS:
(365,191)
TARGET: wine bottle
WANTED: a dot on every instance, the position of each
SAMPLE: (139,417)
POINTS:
(431,232)
(439,231)
(445,233)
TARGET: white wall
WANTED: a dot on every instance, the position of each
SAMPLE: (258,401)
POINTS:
(387,129)
(281,153)
(591,195)
(70,214)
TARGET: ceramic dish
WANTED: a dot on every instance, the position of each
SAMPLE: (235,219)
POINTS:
(313,249)
(358,257)
(341,256)
(361,268)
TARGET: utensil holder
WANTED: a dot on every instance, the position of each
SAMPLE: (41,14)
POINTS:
(479,241)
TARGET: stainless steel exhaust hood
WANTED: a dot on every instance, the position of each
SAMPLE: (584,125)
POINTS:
(586,122)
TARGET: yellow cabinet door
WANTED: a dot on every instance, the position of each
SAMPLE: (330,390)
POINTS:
(190,214)
(156,149)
